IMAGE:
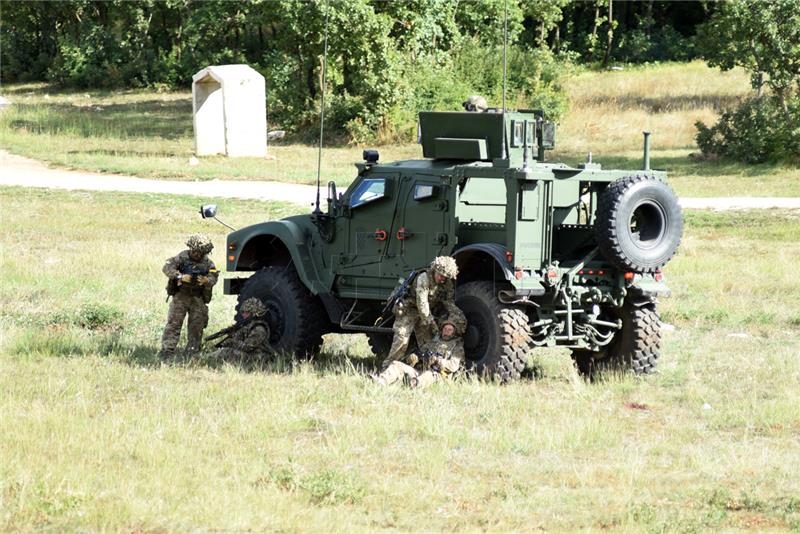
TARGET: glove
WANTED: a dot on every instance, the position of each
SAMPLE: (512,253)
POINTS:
(412,359)
(186,278)
(202,280)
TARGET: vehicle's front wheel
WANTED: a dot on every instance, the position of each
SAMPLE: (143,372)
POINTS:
(296,318)
(498,337)
(636,347)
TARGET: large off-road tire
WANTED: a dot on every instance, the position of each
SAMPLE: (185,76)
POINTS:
(296,318)
(639,223)
(635,348)
(498,337)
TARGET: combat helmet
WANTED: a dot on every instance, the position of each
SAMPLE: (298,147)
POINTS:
(200,243)
(445,266)
(456,318)
(253,306)
(475,103)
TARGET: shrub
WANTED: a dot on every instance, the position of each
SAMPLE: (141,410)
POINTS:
(757,131)
(93,316)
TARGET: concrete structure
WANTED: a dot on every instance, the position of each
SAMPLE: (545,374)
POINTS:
(230,111)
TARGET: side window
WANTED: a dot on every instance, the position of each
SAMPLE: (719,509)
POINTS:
(368,191)
(423,191)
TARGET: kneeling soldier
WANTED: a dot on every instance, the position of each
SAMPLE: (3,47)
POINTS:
(191,276)
(441,357)
(433,290)
(245,341)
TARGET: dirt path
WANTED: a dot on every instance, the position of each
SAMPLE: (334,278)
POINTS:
(20,171)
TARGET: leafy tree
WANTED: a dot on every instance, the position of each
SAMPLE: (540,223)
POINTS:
(764,39)
(761,37)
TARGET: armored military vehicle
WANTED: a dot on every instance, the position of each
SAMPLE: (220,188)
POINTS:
(548,254)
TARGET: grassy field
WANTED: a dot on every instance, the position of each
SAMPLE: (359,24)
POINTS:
(150,134)
(95,434)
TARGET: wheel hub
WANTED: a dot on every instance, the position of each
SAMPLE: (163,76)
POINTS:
(647,224)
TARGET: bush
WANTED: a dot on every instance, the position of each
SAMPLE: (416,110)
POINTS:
(757,131)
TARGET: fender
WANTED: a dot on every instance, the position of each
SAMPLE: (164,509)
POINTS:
(495,250)
(249,249)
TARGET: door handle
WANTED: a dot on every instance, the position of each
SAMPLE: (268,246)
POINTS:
(403,234)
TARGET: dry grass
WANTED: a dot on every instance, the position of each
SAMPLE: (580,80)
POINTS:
(96,435)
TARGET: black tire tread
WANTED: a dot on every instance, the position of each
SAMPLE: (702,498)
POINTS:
(608,207)
(637,350)
(506,361)
(314,319)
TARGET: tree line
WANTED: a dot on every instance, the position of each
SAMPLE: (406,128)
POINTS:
(387,59)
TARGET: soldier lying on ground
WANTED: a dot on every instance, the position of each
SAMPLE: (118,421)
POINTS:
(247,341)
(442,357)
(431,290)
(191,276)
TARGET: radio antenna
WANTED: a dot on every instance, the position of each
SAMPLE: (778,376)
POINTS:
(505,70)
(322,106)
(505,47)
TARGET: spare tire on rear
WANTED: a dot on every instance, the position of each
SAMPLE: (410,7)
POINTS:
(639,223)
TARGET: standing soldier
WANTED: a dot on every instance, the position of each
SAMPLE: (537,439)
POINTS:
(191,276)
(433,290)
(247,341)
(441,357)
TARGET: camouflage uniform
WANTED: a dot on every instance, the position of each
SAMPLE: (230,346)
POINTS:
(415,312)
(250,342)
(475,103)
(436,359)
(193,292)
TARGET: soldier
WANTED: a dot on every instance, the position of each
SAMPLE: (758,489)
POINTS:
(475,103)
(431,291)
(441,357)
(191,276)
(248,340)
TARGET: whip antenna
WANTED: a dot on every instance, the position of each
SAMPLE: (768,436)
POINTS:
(322,106)
(505,47)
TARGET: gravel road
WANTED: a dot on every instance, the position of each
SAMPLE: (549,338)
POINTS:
(20,171)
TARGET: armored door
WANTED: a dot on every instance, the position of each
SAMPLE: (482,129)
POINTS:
(422,229)
(370,205)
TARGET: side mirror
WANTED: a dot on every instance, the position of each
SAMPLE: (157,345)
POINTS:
(208,211)
(332,191)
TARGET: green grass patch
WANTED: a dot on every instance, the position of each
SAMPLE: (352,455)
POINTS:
(97,434)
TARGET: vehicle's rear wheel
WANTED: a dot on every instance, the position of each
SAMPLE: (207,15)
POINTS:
(498,337)
(639,223)
(635,348)
(296,318)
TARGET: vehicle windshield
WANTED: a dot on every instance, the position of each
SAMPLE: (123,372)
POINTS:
(368,191)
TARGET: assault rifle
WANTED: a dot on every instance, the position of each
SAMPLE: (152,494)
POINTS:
(229,330)
(195,271)
(400,292)
(173,285)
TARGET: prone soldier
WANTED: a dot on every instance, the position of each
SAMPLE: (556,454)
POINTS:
(191,276)
(247,340)
(442,357)
(431,290)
